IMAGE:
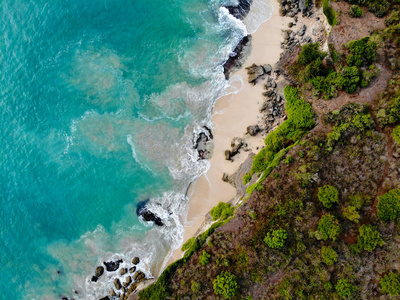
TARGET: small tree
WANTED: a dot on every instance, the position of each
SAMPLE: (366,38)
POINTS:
(328,227)
(345,289)
(396,135)
(390,283)
(355,11)
(389,206)
(329,256)
(204,258)
(225,284)
(276,239)
(351,213)
(309,53)
(222,211)
(369,238)
(328,195)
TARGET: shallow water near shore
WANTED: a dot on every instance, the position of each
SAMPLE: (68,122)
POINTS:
(100,103)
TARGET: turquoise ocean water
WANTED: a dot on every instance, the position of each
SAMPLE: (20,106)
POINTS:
(100,100)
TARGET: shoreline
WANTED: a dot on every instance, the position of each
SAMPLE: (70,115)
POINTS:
(230,117)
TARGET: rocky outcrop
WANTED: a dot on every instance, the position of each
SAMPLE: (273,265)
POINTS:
(117,284)
(236,58)
(138,276)
(291,8)
(253,130)
(241,10)
(135,261)
(201,142)
(112,266)
(123,271)
(254,72)
(147,215)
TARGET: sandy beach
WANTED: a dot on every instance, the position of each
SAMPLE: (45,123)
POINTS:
(231,116)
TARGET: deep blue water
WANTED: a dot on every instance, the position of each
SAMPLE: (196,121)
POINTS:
(99,102)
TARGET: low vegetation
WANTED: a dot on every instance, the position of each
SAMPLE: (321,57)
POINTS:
(355,11)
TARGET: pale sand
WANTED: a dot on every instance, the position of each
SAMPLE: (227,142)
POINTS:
(231,116)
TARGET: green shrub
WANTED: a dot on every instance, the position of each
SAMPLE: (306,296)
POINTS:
(369,238)
(204,258)
(195,286)
(351,213)
(393,19)
(358,200)
(329,12)
(328,195)
(345,289)
(355,11)
(188,244)
(328,227)
(396,135)
(389,206)
(225,284)
(328,255)
(310,53)
(390,283)
(362,52)
(276,239)
(222,211)
(379,7)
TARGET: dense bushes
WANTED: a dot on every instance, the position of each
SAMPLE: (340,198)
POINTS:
(389,206)
(355,11)
(310,53)
(329,12)
(326,79)
(225,285)
(276,239)
(351,213)
(328,228)
(390,283)
(345,289)
(368,239)
(379,7)
(204,258)
(328,195)
(362,52)
(328,255)
(396,135)
(222,211)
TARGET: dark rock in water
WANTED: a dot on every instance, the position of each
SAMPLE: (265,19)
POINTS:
(133,269)
(147,215)
(241,10)
(94,278)
(99,271)
(139,275)
(117,284)
(253,130)
(135,261)
(201,142)
(105,298)
(112,266)
(123,271)
(112,293)
(235,58)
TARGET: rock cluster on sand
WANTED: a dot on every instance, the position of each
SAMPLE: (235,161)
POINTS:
(255,72)
(236,144)
(291,8)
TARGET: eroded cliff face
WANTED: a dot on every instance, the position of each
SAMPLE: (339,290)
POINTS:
(289,240)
